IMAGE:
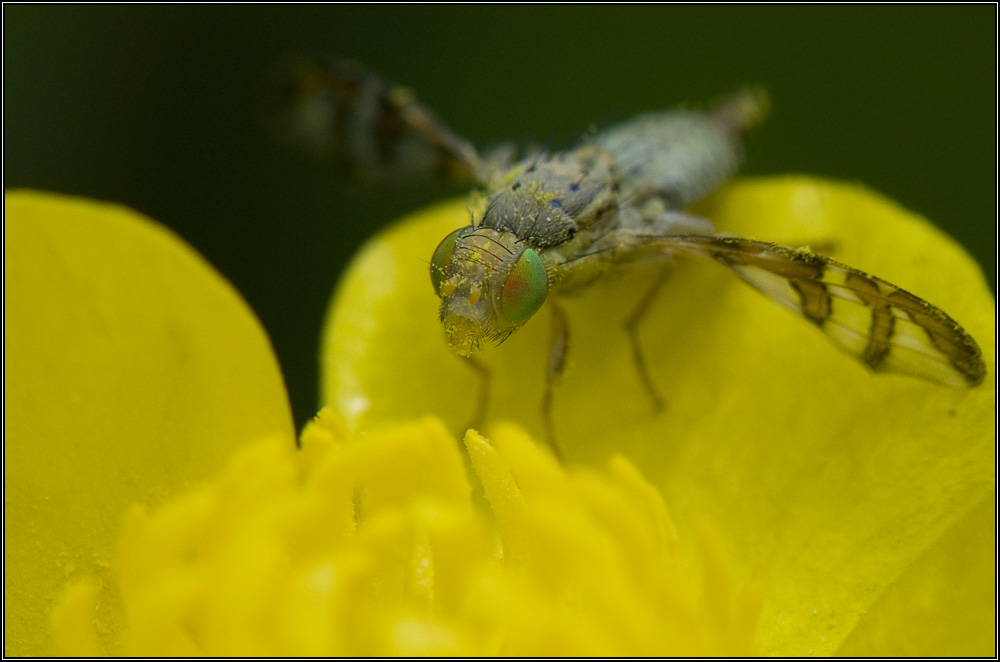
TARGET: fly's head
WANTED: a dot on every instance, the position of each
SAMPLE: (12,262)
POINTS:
(489,282)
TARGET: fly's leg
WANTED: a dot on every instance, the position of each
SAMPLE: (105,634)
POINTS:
(632,323)
(558,346)
(485,384)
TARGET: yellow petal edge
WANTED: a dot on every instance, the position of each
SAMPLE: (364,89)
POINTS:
(132,369)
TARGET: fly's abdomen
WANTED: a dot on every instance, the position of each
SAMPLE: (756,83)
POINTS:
(682,156)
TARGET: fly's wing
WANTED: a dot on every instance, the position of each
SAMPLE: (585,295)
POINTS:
(365,125)
(888,328)
(885,326)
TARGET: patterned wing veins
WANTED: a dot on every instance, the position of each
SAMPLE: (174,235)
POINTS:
(885,326)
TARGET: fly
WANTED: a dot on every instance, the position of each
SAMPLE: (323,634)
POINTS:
(555,222)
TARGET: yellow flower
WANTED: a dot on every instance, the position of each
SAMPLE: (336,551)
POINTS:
(857,520)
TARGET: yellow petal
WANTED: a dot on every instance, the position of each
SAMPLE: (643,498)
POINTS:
(945,601)
(830,482)
(846,479)
(132,370)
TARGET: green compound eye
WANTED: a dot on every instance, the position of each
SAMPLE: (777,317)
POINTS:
(525,289)
(441,260)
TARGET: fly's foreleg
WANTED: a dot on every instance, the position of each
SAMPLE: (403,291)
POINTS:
(632,323)
(558,347)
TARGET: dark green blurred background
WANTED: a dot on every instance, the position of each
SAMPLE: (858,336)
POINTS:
(158,107)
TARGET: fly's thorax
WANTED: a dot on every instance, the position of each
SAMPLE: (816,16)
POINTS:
(547,199)
(490,283)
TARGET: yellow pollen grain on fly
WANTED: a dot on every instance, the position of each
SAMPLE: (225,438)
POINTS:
(482,244)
